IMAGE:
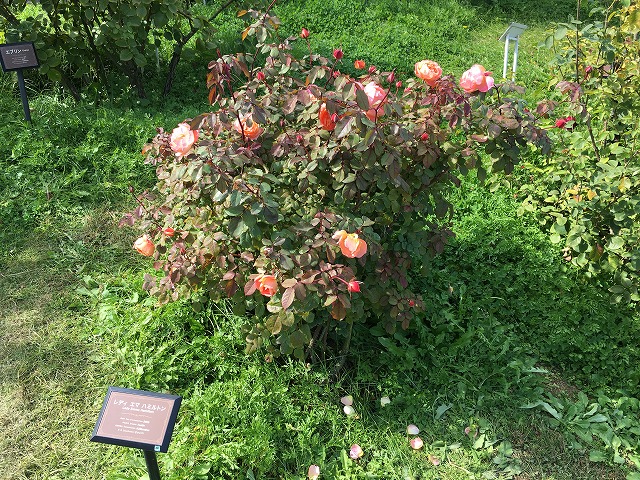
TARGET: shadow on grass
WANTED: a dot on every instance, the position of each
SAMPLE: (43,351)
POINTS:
(49,384)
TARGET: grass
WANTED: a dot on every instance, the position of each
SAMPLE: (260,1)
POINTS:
(503,308)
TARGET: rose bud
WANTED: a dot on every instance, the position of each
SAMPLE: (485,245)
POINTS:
(260,76)
(424,137)
(372,69)
(391,77)
(304,33)
(353,286)
(338,54)
(398,84)
(359,64)
(169,232)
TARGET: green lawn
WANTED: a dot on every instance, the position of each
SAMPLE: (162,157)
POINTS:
(508,323)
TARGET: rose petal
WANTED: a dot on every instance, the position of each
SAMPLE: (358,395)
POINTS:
(348,409)
(347,400)
(412,429)
(385,401)
(416,443)
(314,472)
(355,452)
(435,460)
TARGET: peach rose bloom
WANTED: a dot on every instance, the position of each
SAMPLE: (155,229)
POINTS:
(144,246)
(326,120)
(350,244)
(251,132)
(377,97)
(267,285)
(476,79)
(182,138)
(429,71)
(359,64)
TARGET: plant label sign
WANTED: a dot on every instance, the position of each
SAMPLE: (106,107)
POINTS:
(137,419)
(16,56)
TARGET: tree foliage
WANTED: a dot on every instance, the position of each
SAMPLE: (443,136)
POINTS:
(87,42)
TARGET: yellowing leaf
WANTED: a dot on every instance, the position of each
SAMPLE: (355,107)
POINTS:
(591,194)
(624,184)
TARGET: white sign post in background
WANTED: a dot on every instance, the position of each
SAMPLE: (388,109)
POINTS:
(512,33)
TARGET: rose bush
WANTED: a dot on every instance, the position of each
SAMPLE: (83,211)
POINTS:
(588,192)
(309,196)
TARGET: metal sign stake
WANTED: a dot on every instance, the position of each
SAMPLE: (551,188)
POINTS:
(152,465)
(512,33)
(23,96)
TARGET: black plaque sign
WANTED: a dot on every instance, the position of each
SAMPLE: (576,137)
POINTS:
(16,56)
(137,419)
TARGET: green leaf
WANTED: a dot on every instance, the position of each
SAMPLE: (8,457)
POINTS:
(54,75)
(548,42)
(362,99)
(126,55)
(202,468)
(442,409)
(560,33)
(615,243)
(597,456)
(297,339)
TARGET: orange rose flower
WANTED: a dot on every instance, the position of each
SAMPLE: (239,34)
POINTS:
(350,244)
(327,121)
(428,71)
(359,64)
(252,131)
(182,138)
(267,285)
(144,246)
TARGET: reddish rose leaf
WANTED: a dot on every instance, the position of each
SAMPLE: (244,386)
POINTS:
(301,291)
(289,282)
(230,288)
(288,297)
(338,312)
(250,287)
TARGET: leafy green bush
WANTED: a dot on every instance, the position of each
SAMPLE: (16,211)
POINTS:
(302,161)
(588,193)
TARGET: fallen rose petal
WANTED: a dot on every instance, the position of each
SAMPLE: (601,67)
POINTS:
(347,400)
(348,409)
(435,460)
(412,429)
(385,401)
(416,443)
(314,472)
(356,452)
